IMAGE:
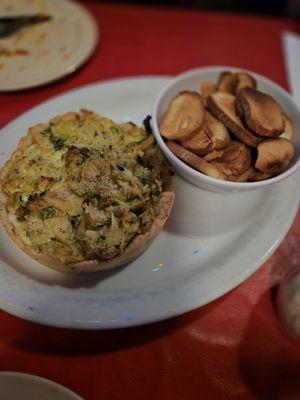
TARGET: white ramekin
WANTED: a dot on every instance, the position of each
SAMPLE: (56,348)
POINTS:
(191,80)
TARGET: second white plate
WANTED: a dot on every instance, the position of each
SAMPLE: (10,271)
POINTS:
(15,385)
(47,51)
(211,243)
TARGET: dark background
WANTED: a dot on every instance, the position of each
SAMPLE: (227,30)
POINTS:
(287,8)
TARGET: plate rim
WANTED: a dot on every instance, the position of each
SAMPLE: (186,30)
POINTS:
(52,321)
(94,40)
(76,89)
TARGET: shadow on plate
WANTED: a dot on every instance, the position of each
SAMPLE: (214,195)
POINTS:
(201,213)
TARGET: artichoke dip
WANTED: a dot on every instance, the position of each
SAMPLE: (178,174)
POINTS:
(83,188)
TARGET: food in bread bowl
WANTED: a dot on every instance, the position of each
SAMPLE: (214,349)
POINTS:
(83,193)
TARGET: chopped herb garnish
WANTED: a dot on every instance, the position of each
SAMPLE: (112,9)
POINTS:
(47,213)
(155,191)
(75,222)
(58,143)
(47,132)
(140,160)
(114,130)
(21,213)
(39,247)
(17,199)
(145,178)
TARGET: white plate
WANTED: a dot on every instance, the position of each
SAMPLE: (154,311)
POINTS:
(211,243)
(55,48)
(14,386)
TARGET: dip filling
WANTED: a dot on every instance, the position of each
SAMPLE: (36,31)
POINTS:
(85,188)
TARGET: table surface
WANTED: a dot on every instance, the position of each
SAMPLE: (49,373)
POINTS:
(233,348)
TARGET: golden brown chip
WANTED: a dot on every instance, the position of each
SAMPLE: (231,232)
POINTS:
(227,82)
(257,175)
(207,88)
(212,136)
(244,80)
(244,177)
(222,106)
(288,130)
(261,113)
(213,154)
(199,144)
(274,155)
(184,116)
(194,161)
(236,159)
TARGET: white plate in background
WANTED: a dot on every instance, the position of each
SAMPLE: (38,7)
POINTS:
(15,385)
(52,49)
(211,243)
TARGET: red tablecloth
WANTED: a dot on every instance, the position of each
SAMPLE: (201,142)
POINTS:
(234,348)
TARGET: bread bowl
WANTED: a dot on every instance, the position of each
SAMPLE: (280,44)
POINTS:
(68,174)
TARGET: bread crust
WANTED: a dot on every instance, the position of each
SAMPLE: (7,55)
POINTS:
(138,245)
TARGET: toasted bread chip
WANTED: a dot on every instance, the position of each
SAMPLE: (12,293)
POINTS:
(184,116)
(230,82)
(200,143)
(288,130)
(257,175)
(251,175)
(236,159)
(212,136)
(207,88)
(244,80)
(216,131)
(261,113)
(239,110)
(243,177)
(213,154)
(227,82)
(274,155)
(195,161)
(222,106)
(231,152)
